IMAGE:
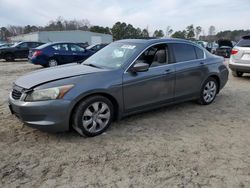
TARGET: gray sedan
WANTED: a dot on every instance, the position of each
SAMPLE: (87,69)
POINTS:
(125,77)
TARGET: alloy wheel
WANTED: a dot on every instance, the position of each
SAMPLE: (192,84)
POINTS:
(52,63)
(96,117)
(209,91)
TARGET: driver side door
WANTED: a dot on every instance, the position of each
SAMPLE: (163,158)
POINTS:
(154,86)
(22,50)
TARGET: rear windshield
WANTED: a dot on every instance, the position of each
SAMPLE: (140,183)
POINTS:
(244,43)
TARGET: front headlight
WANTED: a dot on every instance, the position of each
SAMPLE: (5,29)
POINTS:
(48,94)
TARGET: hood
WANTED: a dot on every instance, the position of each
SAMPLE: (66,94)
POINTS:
(5,48)
(224,43)
(56,73)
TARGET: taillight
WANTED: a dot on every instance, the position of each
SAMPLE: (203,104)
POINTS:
(37,53)
(234,51)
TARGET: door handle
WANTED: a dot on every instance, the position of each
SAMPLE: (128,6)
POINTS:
(202,63)
(167,71)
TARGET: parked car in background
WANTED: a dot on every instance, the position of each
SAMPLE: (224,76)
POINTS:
(201,43)
(96,47)
(18,51)
(211,47)
(239,61)
(58,53)
(126,77)
(224,48)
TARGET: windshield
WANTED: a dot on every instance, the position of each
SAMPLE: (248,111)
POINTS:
(113,56)
(91,46)
(244,43)
(16,44)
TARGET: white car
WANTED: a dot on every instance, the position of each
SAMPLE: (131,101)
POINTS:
(239,61)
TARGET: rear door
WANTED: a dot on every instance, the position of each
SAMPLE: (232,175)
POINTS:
(191,69)
(62,53)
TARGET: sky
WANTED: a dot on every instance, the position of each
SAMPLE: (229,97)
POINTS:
(154,14)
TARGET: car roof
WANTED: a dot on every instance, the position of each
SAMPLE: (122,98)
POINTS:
(54,43)
(154,41)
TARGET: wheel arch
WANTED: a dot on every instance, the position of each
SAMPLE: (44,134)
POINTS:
(217,78)
(112,99)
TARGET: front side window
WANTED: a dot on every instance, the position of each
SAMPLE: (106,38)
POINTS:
(23,45)
(114,55)
(76,48)
(157,55)
(184,52)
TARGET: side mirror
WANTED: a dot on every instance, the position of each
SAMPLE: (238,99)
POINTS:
(140,66)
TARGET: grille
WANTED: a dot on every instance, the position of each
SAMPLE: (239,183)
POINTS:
(16,94)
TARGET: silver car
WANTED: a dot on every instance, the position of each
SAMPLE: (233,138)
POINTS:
(125,77)
(239,61)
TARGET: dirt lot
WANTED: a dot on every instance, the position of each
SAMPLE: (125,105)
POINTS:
(185,145)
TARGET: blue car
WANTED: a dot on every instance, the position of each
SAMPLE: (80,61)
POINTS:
(58,53)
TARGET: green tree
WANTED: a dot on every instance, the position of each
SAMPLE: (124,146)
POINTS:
(179,34)
(158,34)
(144,33)
(100,29)
(125,31)
(190,31)
(198,30)
(169,31)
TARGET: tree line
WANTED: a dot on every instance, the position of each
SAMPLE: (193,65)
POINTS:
(122,30)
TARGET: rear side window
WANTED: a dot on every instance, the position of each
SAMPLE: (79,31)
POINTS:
(199,53)
(184,52)
(60,47)
(244,43)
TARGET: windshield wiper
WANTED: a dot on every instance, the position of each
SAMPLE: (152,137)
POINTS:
(92,65)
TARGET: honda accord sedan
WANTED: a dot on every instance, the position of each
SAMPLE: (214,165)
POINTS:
(126,77)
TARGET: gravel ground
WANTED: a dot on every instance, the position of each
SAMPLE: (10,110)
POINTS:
(185,145)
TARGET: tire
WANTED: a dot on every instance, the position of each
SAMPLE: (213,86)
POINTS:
(93,116)
(208,91)
(52,63)
(237,74)
(9,57)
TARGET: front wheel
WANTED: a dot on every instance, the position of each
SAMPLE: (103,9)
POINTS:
(9,57)
(237,74)
(208,91)
(93,116)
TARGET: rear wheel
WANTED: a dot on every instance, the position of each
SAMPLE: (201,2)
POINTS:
(208,91)
(237,73)
(9,57)
(52,63)
(93,116)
